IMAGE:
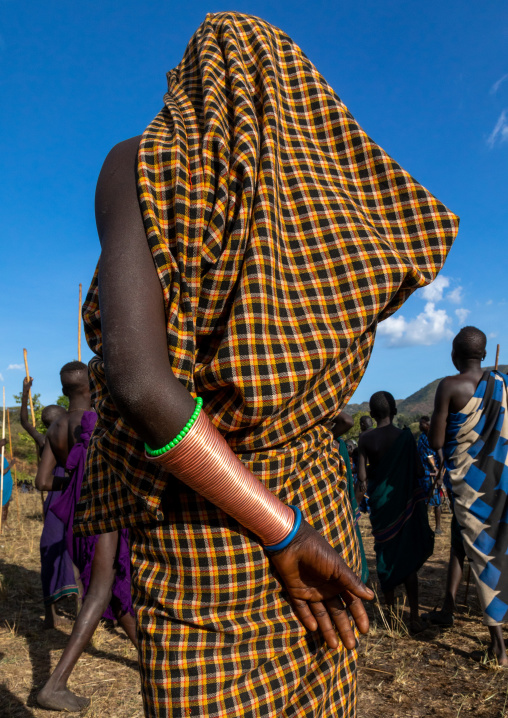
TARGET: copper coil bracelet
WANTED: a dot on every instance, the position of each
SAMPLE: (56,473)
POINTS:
(202,459)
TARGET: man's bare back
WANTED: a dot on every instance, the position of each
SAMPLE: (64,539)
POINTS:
(64,433)
(454,392)
(378,442)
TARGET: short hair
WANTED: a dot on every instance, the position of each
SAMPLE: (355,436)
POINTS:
(366,420)
(73,366)
(470,343)
(425,418)
(382,404)
(51,413)
(76,376)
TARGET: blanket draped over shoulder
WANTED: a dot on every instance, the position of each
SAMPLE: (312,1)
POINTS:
(281,235)
(403,539)
(476,453)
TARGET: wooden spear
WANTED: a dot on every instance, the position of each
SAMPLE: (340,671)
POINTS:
(2,468)
(15,489)
(79,323)
(497,357)
(29,391)
(34,421)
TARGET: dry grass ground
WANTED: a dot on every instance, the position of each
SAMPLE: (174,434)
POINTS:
(400,676)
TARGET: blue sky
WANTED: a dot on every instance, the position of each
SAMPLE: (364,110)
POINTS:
(428,81)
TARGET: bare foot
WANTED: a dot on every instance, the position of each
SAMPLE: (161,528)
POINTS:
(52,619)
(63,700)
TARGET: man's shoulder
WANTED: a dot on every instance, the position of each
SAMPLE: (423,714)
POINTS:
(57,432)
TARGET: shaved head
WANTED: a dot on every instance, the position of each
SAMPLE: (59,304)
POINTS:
(51,413)
(470,343)
(74,377)
(382,404)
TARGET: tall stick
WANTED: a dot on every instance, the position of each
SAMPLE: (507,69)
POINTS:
(29,391)
(16,497)
(2,468)
(34,422)
(497,357)
(79,323)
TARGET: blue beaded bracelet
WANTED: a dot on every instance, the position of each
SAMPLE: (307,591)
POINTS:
(285,542)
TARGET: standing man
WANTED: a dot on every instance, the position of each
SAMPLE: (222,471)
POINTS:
(388,463)
(430,462)
(470,424)
(57,571)
(103,560)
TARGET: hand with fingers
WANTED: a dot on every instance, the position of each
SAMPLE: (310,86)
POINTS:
(322,588)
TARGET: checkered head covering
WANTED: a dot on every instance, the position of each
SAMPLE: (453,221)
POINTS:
(281,234)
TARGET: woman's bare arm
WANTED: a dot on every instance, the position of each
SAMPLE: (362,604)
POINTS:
(138,372)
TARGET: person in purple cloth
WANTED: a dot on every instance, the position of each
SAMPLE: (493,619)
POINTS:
(57,571)
(104,560)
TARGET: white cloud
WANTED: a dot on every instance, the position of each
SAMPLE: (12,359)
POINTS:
(433,292)
(15,366)
(455,295)
(1,377)
(462,314)
(500,131)
(488,302)
(492,335)
(495,87)
(428,328)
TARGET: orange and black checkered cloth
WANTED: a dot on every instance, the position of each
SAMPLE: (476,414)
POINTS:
(281,234)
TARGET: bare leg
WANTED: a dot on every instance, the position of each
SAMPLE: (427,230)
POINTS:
(437,516)
(497,645)
(453,579)
(51,619)
(128,623)
(411,584)
(55,694)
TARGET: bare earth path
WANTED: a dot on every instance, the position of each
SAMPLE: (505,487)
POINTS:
(400,676)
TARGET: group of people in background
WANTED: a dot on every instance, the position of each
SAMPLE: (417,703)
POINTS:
(394,477)
(462,450)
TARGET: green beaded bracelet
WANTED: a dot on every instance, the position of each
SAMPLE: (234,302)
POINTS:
(171,444)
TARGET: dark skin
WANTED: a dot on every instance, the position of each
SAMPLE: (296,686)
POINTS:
(24,420)
(372,446)
(452,395)
(156,405)
(61,437)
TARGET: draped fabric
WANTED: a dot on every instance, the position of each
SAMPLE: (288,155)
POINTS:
(281,234)
(476,454)
(57,574)
(427,481)
(81,549)
(403,539)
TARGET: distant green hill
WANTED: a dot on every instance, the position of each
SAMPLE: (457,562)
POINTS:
(421,402)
